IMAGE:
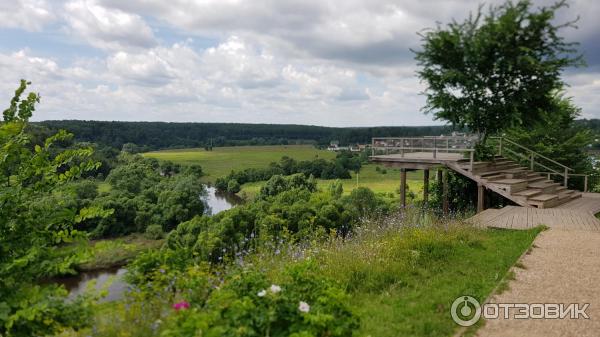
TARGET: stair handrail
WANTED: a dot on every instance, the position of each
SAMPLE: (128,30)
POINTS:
(533,154)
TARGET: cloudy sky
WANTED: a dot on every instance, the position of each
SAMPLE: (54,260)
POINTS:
(322,62)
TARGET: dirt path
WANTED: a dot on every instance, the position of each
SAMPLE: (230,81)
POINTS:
(563,267)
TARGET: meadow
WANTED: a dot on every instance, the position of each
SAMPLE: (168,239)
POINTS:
(386,181)
(221,160)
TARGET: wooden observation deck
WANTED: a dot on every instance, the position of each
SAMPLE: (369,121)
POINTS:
(516,172)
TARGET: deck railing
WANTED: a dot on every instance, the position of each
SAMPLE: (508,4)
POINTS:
(433,144)
(536,161)
(466,144)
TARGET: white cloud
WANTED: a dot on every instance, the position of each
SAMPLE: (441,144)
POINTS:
(31,15)
(299,61)
(107,28)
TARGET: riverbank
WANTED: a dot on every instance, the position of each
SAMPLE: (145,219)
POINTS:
(117,252)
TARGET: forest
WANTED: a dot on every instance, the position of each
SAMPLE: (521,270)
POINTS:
(160,135)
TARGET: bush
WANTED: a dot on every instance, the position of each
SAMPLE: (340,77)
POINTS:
(233,186)
(154,232)
(248,303)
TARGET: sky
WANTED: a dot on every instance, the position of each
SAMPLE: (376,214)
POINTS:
(318,62)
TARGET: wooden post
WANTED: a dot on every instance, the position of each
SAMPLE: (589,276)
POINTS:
(425,186)
(403,187)
(531,160)
(500,147)
(471,158)
(480,196)
(445,191)
(566,176)
(585,183)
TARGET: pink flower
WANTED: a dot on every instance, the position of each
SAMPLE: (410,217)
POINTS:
(181,305)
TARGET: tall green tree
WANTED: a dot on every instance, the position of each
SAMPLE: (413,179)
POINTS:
(558,136)
(496,70)
(34,223)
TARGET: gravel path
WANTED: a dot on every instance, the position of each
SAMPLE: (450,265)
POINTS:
(563,267)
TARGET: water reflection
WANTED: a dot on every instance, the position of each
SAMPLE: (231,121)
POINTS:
(220,201)
(112,280)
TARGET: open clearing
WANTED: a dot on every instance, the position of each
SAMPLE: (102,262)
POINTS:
(367,177)
(221,160)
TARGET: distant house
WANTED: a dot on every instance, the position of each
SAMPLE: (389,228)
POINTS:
(334,146)
(358,147)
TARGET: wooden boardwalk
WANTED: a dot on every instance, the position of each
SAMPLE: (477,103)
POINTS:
(517,217)
(589,202)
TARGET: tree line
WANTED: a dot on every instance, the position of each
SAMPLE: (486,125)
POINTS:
(160,135)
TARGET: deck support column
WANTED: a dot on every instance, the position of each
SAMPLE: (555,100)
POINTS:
(445,192)
(438,177)
(480,198)
(403,187)
(425,187)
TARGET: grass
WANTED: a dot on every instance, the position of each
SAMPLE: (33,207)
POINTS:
(388,183)
(402,278)
(109,253)
(221,160)
(415,300)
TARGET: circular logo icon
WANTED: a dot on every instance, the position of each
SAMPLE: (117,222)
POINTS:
(465,311)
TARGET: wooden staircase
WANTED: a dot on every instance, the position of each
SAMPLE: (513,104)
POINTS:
(515,182)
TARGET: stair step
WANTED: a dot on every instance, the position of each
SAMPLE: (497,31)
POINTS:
(535,179)
(545,186)
(543,197)
(495,177)
(510,181)
(483,174)
(565,195)
(529,192)
(511,185)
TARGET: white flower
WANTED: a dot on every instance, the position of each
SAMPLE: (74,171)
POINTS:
(275,288)
(303,306)
(261,293)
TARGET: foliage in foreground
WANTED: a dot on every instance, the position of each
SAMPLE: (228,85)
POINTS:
(34,222)
(394,276)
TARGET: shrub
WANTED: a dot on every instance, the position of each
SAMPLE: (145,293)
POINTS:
(233,186)
(154,232)
(249,303)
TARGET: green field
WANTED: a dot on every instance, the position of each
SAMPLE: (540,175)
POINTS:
(221,160)
(367,177)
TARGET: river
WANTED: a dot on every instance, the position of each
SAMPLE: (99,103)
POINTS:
(112,278)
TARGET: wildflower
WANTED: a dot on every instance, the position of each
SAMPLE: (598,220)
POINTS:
(303,307)
(162,271)
(181,305)
(275,288)
(261,293)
